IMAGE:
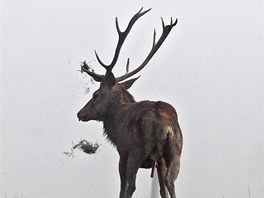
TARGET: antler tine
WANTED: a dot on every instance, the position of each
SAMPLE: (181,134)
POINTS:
(173,24)
(121,39)
(127,65)
(117,26)
(154,38)
(154,49)
(99,60)
(162,22)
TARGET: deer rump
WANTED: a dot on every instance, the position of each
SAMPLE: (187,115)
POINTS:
(151,129)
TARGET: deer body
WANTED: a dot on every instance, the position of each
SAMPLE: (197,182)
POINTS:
(144,132)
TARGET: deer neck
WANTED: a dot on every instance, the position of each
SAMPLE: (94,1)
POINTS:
(113,119)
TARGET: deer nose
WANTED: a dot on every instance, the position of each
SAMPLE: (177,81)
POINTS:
(79,116)
(82,116)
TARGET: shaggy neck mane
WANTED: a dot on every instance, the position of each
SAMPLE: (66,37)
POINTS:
(115,113)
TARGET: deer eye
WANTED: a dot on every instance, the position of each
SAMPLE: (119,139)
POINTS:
(95,95)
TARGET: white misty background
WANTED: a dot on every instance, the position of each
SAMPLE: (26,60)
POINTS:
(210,69)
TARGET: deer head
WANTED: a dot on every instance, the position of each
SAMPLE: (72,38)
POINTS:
(106,99)
(113,91)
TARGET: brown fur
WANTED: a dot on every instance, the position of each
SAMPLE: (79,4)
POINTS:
(143,132)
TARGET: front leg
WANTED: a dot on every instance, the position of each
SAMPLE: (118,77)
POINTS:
(134,161)
(128,167)
(123,177)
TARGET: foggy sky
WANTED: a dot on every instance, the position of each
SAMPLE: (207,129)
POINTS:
(210,68)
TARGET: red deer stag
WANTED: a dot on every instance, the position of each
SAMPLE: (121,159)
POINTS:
(146,134)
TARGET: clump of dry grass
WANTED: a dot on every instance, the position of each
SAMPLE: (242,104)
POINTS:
(85,146)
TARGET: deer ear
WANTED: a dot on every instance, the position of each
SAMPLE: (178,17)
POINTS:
(110,79)
(127,84)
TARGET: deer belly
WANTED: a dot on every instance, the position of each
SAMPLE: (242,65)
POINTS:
(153,157)
(147,163)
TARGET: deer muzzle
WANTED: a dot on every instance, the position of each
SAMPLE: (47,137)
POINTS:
(82,117)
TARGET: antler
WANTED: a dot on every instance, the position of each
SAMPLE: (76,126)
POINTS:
(154,49)
(121,39)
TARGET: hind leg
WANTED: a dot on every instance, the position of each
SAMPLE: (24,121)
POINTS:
(161,174)
(172,174)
